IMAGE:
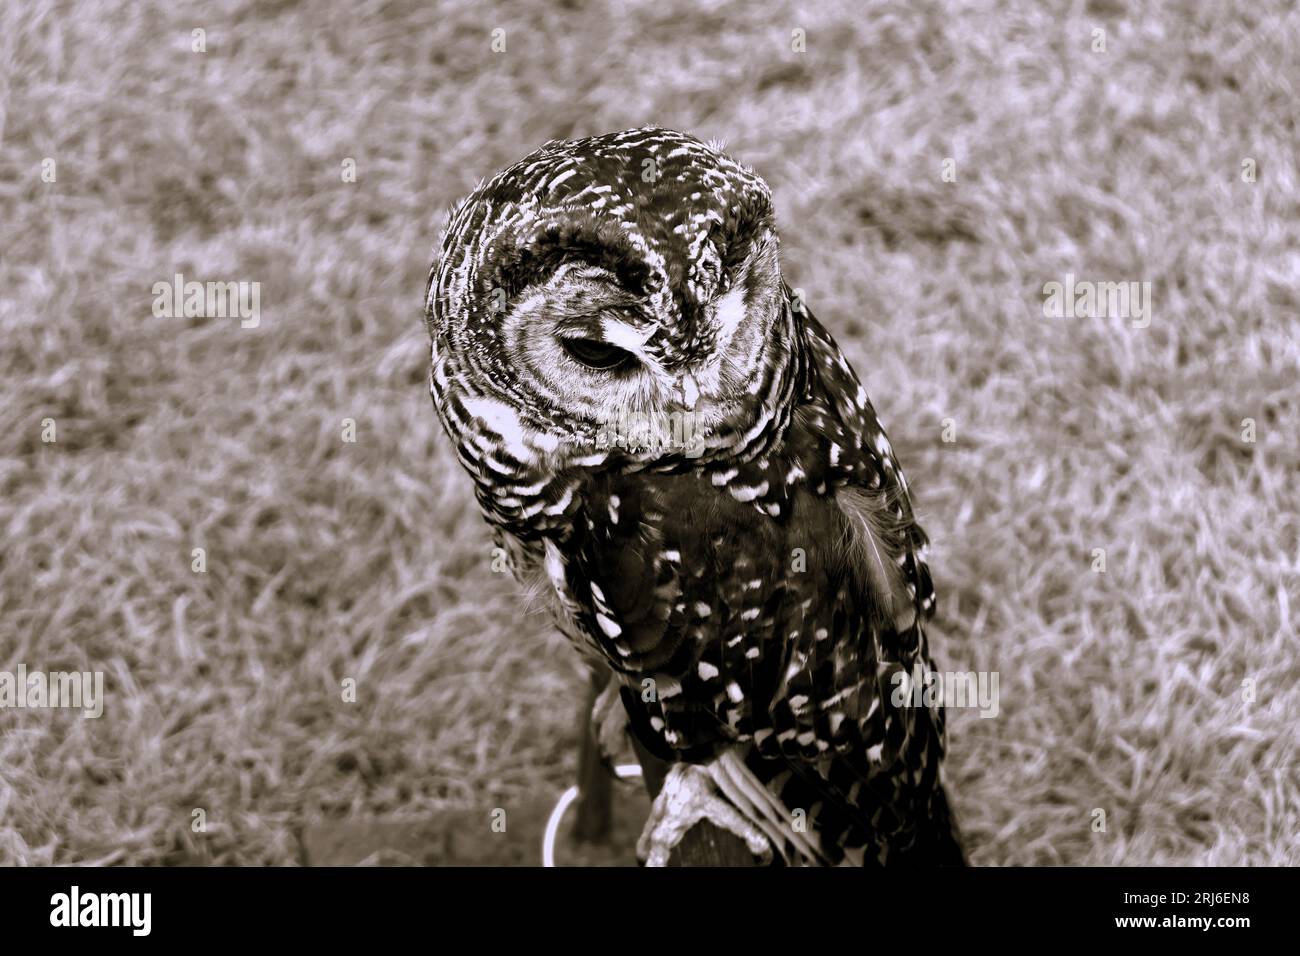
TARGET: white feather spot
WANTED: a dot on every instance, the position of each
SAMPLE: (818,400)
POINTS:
(502,419)
(749,494)
(728,315)
(561,178)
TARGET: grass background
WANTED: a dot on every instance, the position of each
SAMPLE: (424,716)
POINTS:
(328,560)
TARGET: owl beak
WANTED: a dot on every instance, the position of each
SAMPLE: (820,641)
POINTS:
(689,390)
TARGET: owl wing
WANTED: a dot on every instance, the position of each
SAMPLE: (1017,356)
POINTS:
(880,792)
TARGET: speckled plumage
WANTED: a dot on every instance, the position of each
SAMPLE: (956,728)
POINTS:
(771,581)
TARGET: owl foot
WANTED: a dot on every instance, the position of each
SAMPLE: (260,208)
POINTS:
(689,796)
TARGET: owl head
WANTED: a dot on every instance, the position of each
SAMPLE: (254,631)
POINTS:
(631,278)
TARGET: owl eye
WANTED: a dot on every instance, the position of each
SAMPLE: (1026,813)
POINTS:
(598,355)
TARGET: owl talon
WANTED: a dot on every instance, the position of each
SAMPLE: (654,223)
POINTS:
(689,796)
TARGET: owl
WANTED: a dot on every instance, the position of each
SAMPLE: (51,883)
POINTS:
(664,439)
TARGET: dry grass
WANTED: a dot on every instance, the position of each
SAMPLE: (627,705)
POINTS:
(328,560)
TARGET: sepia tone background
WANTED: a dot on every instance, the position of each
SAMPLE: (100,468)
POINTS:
(327,560)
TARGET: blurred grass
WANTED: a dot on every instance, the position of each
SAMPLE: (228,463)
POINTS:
(328,560)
